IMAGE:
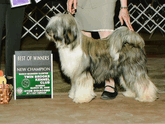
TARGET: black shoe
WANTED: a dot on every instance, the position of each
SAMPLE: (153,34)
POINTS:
(109,95)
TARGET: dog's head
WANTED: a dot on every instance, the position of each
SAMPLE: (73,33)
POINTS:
(62,29)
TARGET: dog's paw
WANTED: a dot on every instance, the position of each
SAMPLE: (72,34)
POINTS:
(85,98)
(72,92)
(71,95)
(146,99)
(129,93)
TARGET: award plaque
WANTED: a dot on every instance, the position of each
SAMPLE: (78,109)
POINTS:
(33,74)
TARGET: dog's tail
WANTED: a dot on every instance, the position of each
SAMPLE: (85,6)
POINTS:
(121,36)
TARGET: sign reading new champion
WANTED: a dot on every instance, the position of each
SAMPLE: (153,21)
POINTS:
(33,74)
(33,69)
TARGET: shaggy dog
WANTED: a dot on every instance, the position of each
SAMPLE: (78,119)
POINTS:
(86,60)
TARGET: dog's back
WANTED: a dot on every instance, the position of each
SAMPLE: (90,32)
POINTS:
(121,49)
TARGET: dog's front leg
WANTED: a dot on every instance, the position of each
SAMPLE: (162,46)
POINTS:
(84,88)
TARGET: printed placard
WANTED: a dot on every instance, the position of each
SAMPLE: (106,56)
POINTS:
(33,72)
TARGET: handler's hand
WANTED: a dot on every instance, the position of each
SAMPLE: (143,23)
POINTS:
(71,6)
(124,15)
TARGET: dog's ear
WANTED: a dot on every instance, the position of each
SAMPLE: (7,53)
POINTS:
(70,35)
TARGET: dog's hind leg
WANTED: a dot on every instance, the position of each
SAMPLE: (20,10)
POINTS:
(141,85)
(84,88)
(128,92)
(145,90)
(134,73)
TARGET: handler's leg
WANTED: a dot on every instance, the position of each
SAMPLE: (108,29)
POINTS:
(104,34)
(2,22)
(112,93)
(14,20)
(88,34)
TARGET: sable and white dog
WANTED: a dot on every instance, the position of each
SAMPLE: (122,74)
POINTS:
(86,60)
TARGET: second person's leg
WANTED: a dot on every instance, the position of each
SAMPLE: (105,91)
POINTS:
(108,83)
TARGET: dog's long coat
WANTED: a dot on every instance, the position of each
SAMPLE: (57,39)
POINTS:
(86,60)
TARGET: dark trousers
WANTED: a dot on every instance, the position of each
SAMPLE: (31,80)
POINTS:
(12,19)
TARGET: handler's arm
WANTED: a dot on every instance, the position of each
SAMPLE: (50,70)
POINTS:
(71,6)
(124,14)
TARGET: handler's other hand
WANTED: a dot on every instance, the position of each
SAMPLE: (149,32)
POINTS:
(124,15)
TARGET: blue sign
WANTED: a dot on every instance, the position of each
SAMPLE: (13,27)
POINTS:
(17,3)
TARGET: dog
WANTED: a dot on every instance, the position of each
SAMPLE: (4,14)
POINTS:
(86,60)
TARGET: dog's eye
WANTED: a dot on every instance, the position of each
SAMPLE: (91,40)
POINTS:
(57,38)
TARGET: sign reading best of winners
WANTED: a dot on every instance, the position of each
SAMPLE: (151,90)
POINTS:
(33,74)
